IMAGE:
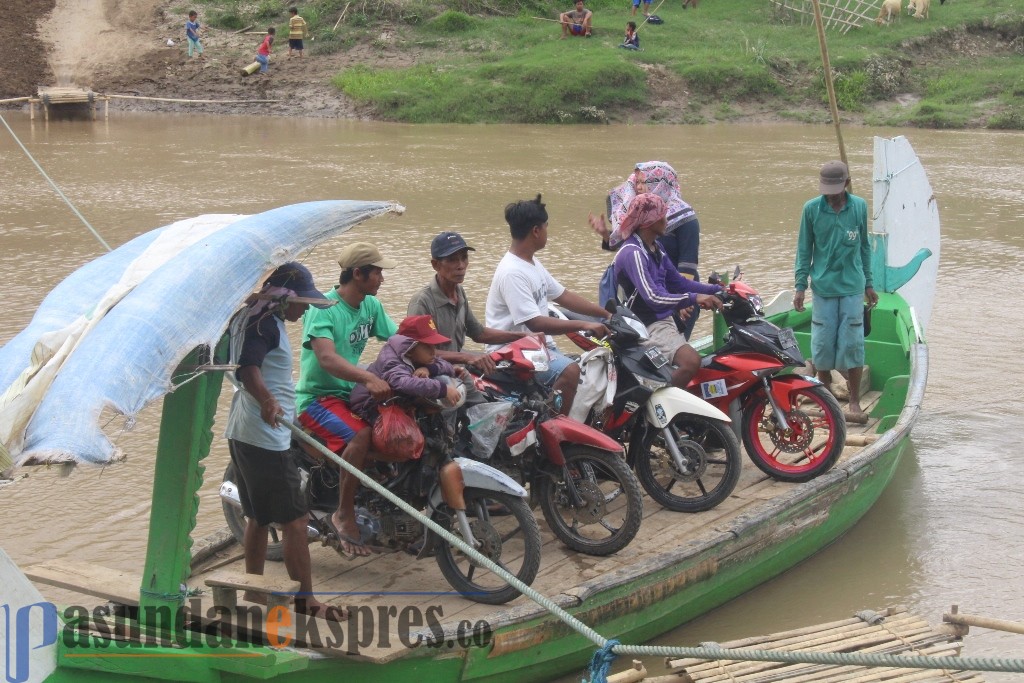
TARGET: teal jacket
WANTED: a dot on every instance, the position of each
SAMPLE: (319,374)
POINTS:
(833,248)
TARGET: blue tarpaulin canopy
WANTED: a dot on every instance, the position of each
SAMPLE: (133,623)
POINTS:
(111,334)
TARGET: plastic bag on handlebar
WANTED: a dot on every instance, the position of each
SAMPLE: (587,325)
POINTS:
(486,423)
(396,434)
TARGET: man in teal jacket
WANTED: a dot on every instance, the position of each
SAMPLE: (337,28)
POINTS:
(833,250)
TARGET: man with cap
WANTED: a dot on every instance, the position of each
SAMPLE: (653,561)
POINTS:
(268,480)
(833,251)
(444,300)
(333,341)
(521,288)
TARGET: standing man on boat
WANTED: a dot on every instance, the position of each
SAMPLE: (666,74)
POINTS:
(333,341)
(521,288)
(833,250)
(444,300)
(268,480)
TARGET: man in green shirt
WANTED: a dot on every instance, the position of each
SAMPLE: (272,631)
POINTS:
(333,341)
(833,250)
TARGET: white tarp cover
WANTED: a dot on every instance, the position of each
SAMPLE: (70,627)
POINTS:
(112,333)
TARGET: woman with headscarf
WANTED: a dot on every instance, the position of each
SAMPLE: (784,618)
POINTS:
(681,241)
(653,288)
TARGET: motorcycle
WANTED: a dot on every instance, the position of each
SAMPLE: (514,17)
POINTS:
(682,449)
(792,427)
(589,497)
(457,493)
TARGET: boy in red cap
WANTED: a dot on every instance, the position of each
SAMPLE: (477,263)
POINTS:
(409,364)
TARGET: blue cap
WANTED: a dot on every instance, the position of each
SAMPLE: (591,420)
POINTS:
(296,277)
(448,243)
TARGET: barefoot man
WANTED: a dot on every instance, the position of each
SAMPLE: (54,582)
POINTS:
(833,250)
(268,480)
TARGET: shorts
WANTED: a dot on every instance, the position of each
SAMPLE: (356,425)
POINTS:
(666,337)
(557,363)
(330,419)
(576,29)
(837,332)
(295,43)
(268,484)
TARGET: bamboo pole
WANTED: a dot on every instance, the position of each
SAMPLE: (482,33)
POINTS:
(341,18)
(12,100)
(636,674)
(828,82)
(180,101)
(984,622)
(243,30)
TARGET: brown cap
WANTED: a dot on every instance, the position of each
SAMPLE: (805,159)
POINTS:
(833,177)
(359,254)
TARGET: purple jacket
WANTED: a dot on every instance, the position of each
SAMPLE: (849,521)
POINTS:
(394,368)
(660,289)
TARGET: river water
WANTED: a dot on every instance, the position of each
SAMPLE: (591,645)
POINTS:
(944,531)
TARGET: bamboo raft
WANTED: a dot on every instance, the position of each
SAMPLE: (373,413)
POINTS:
(57,96)
(892,631)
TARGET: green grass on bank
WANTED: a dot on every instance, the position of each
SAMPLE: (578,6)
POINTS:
(490,61)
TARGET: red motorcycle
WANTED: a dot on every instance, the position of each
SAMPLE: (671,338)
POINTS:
(791,425)
(589,495)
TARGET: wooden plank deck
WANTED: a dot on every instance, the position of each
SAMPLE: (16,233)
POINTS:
(399,580)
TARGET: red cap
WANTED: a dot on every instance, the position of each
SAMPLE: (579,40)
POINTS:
(422,329)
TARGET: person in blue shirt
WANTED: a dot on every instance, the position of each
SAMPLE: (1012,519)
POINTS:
(192,34)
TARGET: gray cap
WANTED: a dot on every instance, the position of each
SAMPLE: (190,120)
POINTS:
(833,177)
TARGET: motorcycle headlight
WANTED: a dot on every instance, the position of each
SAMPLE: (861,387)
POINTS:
(651,384)
(539,358)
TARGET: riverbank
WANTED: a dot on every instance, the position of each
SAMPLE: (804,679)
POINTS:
(741,61)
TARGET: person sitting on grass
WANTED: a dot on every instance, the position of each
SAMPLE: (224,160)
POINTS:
(576,22)
(632,39)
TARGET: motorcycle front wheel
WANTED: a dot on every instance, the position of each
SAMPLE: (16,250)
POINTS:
(508,535)
(811,446)
(611,506)
(711,465)
(236,520)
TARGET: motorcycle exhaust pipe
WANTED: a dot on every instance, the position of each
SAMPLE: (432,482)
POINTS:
(229,493)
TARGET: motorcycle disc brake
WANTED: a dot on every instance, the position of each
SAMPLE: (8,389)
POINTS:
(694,459)
(592,509)
(801,431)
(490,541)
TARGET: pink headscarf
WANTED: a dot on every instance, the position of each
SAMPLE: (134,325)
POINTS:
(644,211)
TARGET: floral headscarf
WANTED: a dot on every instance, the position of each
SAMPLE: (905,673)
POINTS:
(660,179)
(644,211)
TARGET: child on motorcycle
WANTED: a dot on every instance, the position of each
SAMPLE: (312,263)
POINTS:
(409,364)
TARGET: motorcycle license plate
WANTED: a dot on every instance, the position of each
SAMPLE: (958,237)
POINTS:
(656,356)
(787,338)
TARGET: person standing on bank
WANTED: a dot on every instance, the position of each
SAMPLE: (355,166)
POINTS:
(297,32)
(834,252)
(444,300)
(268,480)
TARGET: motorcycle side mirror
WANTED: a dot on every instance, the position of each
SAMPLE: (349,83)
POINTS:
(611,306)
(737,274)
(714,278)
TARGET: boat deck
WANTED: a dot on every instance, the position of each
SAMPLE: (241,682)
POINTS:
(400,581)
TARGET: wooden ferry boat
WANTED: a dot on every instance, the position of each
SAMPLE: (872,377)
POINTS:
(402,628)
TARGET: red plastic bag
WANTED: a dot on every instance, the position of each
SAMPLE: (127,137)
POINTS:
(396,434)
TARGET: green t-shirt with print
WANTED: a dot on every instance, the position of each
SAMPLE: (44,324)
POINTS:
(350,329)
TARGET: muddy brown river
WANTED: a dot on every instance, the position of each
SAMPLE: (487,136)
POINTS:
(947,529)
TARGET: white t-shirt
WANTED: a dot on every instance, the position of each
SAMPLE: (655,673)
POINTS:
(520,291)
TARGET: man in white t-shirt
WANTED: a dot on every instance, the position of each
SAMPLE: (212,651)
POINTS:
(520,291)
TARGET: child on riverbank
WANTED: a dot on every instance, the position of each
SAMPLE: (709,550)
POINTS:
(297,31)
(263,51)
(192,35)
(632,39)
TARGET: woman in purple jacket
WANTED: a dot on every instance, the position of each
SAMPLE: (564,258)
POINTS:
(652,287)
